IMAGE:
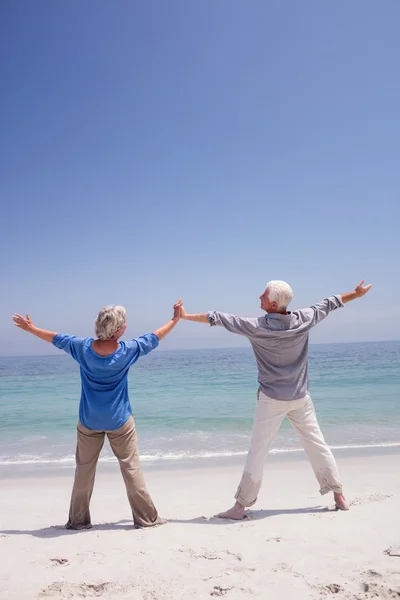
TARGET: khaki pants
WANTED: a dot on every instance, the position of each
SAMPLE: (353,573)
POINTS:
(267,421)
(123,442)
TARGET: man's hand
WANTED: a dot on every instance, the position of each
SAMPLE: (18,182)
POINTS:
(183,312)
(24,323)
(360,290)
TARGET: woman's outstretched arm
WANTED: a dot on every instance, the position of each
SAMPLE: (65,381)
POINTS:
(26,324)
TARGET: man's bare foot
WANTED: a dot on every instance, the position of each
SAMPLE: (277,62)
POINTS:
(341,502)
(236,513)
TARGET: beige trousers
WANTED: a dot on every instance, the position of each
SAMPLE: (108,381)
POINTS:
(123,442)
(267,421)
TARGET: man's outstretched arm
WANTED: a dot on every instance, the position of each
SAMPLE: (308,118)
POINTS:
(242,325)
(359,292)
(322,309)
(26,324)
(198,318)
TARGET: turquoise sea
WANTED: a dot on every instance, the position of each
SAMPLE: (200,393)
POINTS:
(199,403)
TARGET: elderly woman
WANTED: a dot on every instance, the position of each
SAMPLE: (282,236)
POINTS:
(105,407)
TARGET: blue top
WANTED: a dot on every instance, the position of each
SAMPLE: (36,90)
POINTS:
(104,404)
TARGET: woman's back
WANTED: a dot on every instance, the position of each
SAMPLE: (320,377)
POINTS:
(104,403)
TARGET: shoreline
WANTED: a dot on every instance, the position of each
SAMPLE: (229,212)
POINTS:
(109,466)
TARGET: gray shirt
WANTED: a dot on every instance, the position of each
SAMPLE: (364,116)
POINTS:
(280,345)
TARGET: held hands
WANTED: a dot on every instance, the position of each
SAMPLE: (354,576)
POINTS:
(161,332)
(24,323)
(361,290)
(177,310)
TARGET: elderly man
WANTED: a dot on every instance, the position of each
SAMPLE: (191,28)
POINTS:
(280,344)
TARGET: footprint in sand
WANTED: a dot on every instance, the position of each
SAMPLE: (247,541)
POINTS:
(281,567)
(56,562)
(378,590)
(220,590)
(393,550)
(332,588)
(367,590)
(372,573)
(210,555)
(62,589)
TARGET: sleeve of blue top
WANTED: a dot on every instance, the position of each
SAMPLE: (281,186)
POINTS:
(142,345)
(68,343)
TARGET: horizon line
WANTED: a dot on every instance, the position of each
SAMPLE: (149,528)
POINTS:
(208,348)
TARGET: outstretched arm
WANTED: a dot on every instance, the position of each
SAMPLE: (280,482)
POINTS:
(242,325)
(161,332)
(318,312)
(26,324)
(199,318)
(359,292)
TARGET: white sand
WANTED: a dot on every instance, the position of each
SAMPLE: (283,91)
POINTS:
(289,547)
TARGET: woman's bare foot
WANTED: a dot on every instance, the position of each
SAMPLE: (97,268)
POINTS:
(341,502)
(236,513)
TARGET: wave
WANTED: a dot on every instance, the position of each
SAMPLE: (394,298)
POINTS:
(70,460)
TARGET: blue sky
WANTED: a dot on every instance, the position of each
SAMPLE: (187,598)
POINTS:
(151,150)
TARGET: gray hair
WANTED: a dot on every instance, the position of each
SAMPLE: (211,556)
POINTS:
(109,320)
(279,292)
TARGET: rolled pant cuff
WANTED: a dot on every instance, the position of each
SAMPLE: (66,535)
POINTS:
(245,503)
(335,489)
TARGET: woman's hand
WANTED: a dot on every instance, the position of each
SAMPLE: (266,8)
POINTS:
(24,323)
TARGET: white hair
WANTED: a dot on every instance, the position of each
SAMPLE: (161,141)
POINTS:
(279,292)
(109,320)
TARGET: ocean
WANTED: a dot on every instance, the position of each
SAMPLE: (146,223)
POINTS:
(195,404)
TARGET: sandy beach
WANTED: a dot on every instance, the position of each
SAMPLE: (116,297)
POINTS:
(293,544)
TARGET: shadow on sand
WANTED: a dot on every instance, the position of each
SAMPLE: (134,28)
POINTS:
(126,525)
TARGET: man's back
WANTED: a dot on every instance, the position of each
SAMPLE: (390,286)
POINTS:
(280,345)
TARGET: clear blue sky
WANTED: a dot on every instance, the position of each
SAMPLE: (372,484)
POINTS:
(151,150)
